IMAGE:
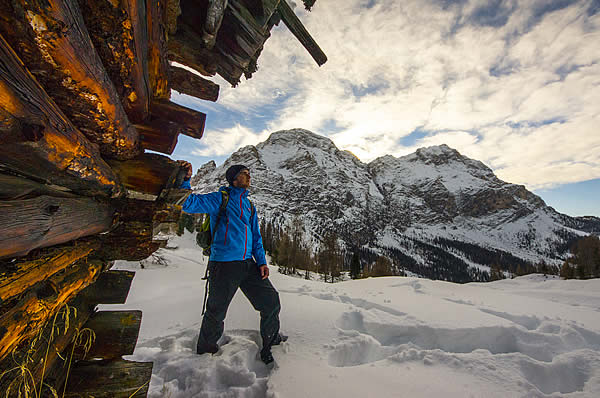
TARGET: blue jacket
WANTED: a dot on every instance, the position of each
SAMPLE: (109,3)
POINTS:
(238,236)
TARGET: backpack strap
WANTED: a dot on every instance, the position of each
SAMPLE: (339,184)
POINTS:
(252,209)
(222,212)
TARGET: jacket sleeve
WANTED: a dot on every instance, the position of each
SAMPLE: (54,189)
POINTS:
(207,203)
(185,184)
(258,250)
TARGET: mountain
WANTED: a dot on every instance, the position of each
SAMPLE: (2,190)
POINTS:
(434,212)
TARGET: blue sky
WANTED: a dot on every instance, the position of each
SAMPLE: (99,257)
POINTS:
(515,84)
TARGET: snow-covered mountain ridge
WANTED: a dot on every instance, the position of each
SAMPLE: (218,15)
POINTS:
(432,207)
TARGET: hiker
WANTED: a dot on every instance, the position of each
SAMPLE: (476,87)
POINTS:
(237,259)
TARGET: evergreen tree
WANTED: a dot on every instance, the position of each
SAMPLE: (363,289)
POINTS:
(355,270)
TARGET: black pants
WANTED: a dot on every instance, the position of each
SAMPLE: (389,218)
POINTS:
(224,279)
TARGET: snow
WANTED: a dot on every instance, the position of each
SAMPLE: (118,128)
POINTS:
(379,337)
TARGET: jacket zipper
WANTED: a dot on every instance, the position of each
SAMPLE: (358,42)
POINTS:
(245,230)
(226,229)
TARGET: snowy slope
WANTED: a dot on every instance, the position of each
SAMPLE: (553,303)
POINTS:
(402,203)
(379,337)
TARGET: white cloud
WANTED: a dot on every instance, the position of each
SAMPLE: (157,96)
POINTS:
(488,91)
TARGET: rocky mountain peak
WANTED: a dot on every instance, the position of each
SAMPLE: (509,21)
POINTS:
(298,137)
(434,193)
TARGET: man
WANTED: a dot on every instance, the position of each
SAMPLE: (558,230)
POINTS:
(237,259)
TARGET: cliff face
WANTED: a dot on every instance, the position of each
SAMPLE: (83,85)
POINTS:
(433,197)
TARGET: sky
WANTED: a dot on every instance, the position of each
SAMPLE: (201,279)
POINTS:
(514,84)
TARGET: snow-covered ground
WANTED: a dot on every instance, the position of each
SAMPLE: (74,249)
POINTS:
(378,337)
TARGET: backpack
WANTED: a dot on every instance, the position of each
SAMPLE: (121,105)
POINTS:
(204,237)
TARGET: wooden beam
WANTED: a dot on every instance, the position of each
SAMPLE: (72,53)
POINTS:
(158,65)
(116,333)
(149,173)
(18,276)
(39,141)
(109,378)
(24,319)
(192,120)
(112,287)
(214,17)
(120,35)
(52,40)
(187,48)
(46,221)
(159,135)
(295,26)
(191,84)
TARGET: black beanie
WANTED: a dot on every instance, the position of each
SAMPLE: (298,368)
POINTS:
(233,171)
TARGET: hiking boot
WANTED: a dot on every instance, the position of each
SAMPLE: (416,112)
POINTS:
(266,357)
(210,349)
(280,339)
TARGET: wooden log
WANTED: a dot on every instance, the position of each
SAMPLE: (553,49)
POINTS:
(46,221)
(116,334)
(132,241)
(41,354)
(308,4)
(192,120)
(120,35)
(158,64)
(39,141)
(18,276)
(112,287)
(214,17)
(13,187)
(109,379)
(24,320)
(187,48)
(262,10)
(149,173)
(191,84)
(295,26)
(52,40)
(159,135)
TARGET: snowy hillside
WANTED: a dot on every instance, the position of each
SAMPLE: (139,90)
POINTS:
(377,337)
(431,207)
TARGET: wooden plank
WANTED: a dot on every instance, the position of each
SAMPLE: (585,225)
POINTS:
(159,135)
(149,173)
(214,17)
(39,141)
(187,48)
(116,333)
(52,40)
(112,287)
(158,64)
(191,84)
(18,276)
(120,35)
(109,379)
(23,320)
(295,26)
(46,221)
(192,120)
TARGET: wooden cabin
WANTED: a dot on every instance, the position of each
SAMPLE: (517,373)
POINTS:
(84,93)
